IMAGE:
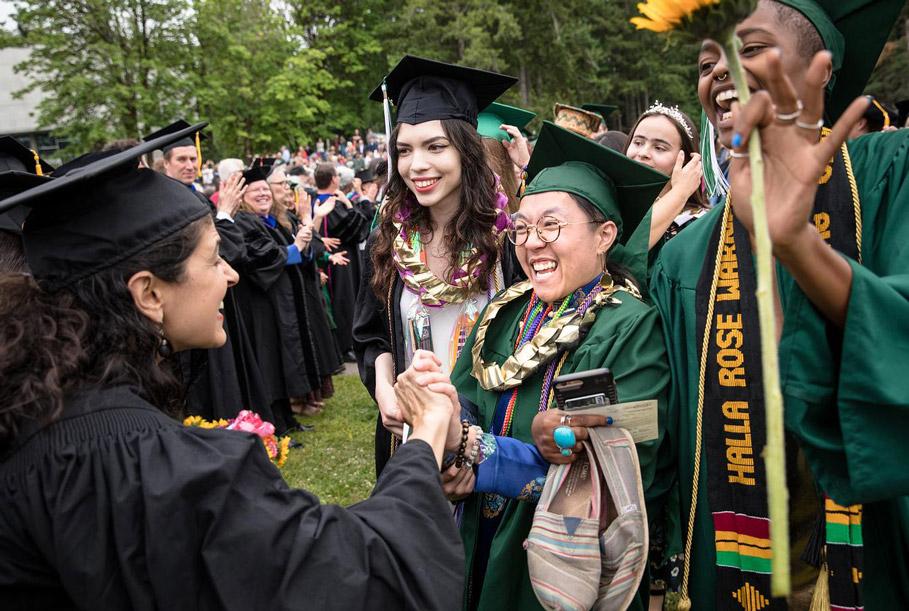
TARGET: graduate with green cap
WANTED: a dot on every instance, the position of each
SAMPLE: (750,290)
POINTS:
(574,237)
(843,340)
(604,110)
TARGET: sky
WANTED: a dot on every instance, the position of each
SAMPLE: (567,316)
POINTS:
(6,9)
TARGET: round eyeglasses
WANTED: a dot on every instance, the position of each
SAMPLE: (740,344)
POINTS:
(548,230)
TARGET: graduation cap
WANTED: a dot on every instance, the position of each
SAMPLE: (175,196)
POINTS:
(580,121)
(604,110)
(102,213)
(854,31)
(17,158)
(366,176)
(179,126)
(426,90)
(13,183)
(266,163)
(496,114)
(255,173)
(622,189)
(902,108)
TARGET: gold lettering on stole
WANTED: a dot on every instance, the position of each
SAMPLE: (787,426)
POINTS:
(822,223)
(731,360)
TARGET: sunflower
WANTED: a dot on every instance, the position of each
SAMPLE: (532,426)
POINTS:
(697,18)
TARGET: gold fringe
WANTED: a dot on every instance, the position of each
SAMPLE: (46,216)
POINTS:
(198,156)
(820,600)
(37,163)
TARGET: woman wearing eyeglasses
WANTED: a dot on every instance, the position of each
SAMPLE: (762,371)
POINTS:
(579,310)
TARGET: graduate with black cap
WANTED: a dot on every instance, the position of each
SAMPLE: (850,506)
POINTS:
(576,239)
(838,217)
(436,256)
(107,501)
(20,169)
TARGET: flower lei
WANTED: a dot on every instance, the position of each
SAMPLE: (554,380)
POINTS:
(250,422)
(419,279)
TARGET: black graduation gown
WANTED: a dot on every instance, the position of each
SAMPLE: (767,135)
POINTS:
(378,330)
(266,299)
(222,381)
(351,227)
(116,506)
(315,330)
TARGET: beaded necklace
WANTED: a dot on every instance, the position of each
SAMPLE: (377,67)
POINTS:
(533,320)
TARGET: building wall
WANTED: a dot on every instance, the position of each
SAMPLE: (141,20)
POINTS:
(18,117)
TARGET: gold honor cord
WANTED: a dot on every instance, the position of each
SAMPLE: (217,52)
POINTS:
(420,279)
(563,333)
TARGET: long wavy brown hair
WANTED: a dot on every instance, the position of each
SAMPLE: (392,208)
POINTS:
(471,227)
(89,334)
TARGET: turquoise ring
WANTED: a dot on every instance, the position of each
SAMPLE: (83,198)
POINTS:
(564,438)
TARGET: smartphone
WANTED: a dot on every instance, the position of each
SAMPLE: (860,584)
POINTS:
(585,389)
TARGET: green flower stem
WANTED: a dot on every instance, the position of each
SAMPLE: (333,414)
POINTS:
(774,452)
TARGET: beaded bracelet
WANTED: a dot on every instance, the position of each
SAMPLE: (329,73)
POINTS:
(465,431)
(471,458)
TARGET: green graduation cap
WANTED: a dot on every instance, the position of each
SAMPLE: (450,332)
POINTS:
(494,115)
(855,32)
(604,110)
(622,189)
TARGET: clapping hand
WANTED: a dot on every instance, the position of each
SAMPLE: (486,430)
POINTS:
(331,243)
(303,237)
(339,258)
(325,208)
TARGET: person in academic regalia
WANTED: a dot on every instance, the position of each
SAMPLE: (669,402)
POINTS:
(339,219)
(222,381)
(267,299)
(106,501)
(666,139)
(315,332)
(838,216)
(21,169)
(576,241)
(436,256)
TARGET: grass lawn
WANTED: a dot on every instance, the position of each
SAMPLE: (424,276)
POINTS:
(337,462)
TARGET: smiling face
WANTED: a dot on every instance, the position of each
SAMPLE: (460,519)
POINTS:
(575,258)
(280,191)
(192,317)
(258,197)
(655,143)
(429,164)
(759,33)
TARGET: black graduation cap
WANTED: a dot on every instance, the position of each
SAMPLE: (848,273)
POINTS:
(903,108)
(15,157)
(255,173)
(178,126)
(102,213)
(13,183)
(366,176)
(426,90)
(83,160)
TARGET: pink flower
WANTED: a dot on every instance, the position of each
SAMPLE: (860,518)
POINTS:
(251,422)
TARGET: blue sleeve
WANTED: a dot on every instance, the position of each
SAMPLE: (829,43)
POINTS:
(511,468)
(293,255)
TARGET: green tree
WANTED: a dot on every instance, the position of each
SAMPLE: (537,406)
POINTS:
(111,67)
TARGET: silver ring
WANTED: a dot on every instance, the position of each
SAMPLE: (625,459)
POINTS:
(562,419)
(735,155)
(811,126)
(723,78)
(786,117)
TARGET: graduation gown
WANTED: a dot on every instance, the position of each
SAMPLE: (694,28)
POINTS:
(351,227)
(628,340)
(266,297)
(378,329)
(844,390)
(116,506)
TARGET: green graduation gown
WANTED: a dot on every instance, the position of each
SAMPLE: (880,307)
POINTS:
(625,338)
(845,391)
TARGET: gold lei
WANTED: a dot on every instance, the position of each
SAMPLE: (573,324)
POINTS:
(563,333)
(432,290)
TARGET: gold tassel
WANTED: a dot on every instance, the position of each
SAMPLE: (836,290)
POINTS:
(37,163)
(684,604)
(198,156)
(820,600)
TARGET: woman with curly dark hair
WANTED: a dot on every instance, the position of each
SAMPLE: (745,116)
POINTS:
(106,501)
(436,257)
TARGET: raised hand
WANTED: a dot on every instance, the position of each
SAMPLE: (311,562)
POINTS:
(303,237)
(518,149)
(231,193)
(686,177)
(325,208)
(794,154)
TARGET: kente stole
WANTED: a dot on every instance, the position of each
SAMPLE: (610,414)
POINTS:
(734,429)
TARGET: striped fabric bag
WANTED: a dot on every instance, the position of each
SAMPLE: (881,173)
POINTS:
(587,545)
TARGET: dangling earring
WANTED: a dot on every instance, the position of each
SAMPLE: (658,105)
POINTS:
(164,349)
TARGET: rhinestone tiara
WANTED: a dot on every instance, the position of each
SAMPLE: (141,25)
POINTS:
(673,113)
